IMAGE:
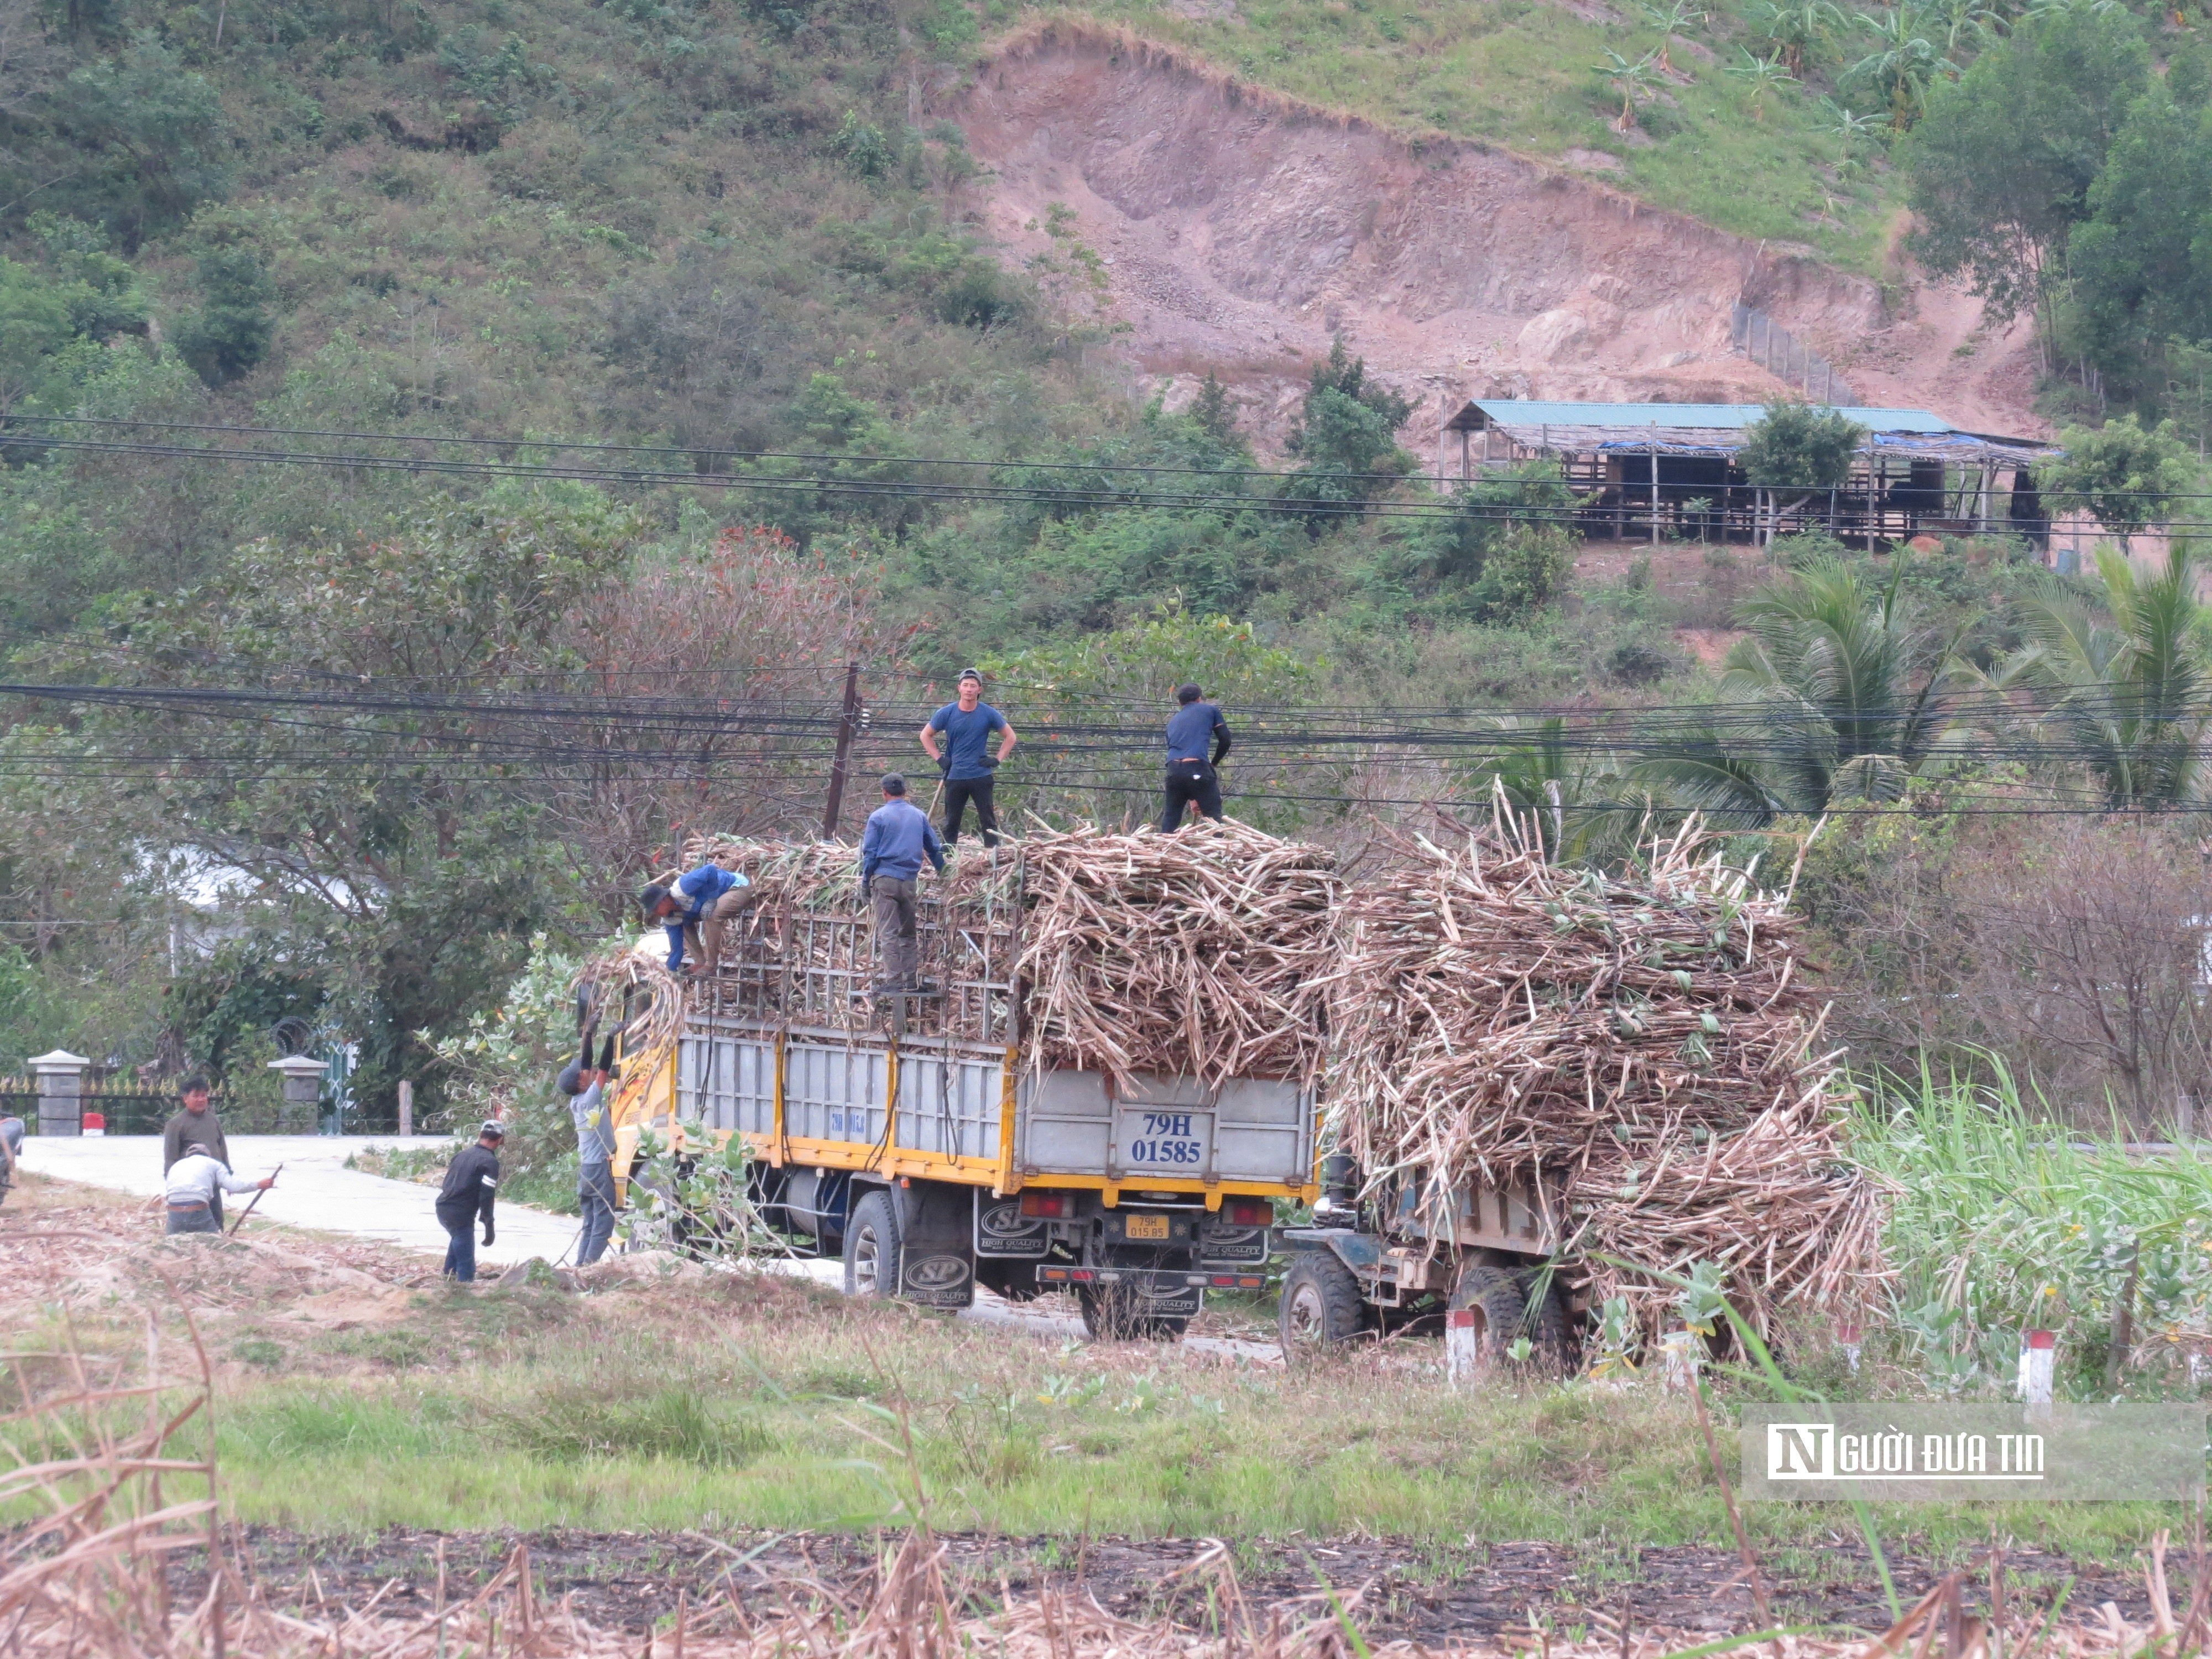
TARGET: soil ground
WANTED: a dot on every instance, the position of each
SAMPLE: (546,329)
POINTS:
(1403,1589)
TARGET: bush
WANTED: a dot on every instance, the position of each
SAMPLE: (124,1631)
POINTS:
(1797,446)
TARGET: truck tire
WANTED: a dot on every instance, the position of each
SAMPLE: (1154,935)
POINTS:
(1493,1296)
(1321,1307)
(1550,1334)
(872,1252)
(1113,1314)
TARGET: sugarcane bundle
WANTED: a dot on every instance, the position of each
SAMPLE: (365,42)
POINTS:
(1203,954)
(1648,1046)
(1206,953)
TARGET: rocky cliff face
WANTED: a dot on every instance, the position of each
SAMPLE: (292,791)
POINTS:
(1241,230)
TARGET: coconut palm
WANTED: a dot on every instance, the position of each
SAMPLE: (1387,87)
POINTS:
(1567,792)
(1904,64)
(2128,695)
(1838,693)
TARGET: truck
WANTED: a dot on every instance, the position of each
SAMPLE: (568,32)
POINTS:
(927,1140)
(1482,1261)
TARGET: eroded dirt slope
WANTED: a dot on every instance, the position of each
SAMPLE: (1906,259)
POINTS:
(1240,229)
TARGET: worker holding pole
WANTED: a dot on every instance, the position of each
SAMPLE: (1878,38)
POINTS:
(965,758)
(1192,779)
(192,1186)
(899,836)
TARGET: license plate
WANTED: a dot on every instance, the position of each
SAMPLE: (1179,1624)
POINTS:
(1169,1142)
(1148,1226)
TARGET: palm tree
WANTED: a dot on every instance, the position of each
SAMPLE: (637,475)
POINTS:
(1838,694)
(1568,794)
(1904,66)
(2128,696)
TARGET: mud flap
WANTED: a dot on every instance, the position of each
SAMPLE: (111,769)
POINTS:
(937,1256)
(1003,1231)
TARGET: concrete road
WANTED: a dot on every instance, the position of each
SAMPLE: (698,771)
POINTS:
(318,1192)
(316,1189)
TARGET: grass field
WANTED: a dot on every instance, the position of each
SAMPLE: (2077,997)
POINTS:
(747,1401)
(1523,74)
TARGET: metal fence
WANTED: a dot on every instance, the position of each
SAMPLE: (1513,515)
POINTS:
(1783,355)
(130,1108)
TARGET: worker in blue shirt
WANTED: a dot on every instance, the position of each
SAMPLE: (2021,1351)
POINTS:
(966,758)
(1192,780)
(695,908)
(899,837)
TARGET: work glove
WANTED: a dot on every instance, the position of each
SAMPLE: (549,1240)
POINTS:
(487,1243)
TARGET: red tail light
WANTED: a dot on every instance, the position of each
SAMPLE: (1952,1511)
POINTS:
(1053,1207)
(1249,1213)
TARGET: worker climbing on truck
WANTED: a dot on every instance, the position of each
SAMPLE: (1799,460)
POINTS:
(899,836)
(1192,778)
(695,908)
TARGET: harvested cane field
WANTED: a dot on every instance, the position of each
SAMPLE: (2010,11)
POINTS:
(728,1457)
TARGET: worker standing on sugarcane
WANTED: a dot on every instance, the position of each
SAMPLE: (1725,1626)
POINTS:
(965,759)
(471,1184)
(1192,779)
(193,1186)
(695,908)
(898,838)
(195,1125)
(585,1085)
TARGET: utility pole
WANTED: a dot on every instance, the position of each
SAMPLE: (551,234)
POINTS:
(848,720)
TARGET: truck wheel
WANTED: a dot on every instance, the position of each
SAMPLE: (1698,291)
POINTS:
(1322,1306)
(872,1248)
(1111,1314)
(1493,1296)
(1553,1337)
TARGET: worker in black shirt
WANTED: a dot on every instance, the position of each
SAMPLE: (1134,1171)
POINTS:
(471,1184)
(1191,777)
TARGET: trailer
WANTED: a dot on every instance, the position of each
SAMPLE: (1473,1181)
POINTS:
(924,1140)
(1482,1264)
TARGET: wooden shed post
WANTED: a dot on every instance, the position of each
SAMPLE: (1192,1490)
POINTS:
(1654,484)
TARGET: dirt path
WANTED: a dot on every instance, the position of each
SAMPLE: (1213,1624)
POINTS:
(1396,1587)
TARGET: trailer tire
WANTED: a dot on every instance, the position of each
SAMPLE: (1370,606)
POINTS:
(1322,1306)
(1111,1314)
(1493,1296)
(872,1248)
(1550,1334)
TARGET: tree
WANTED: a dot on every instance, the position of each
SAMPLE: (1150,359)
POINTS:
(229,334)
(1762,75)
(1904,65)
(2127,694)
(1796,445)
(2000,172)
(148,138)
(1797,27)
(2125,476)
(1670,19)
(1838,693)
(1628,80)
(1346,438)
(1215,414)
(2141,265)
